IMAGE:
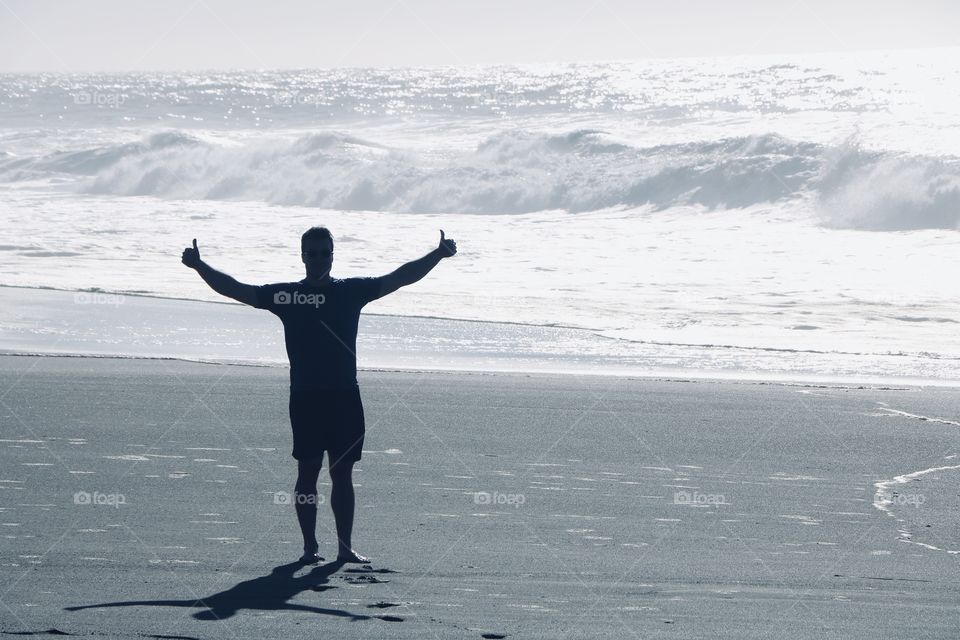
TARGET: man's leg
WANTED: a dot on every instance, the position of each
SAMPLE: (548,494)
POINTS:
(342,502)
(305,501)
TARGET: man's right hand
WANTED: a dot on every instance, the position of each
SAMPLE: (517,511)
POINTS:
(191,257)
(447,246)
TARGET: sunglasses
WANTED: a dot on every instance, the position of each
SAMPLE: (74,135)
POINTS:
(314,253)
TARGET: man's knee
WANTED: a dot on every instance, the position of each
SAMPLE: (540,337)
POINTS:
(342,471)
(308,472)
(310,465)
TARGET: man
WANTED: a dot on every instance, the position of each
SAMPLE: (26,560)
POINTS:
(320,315)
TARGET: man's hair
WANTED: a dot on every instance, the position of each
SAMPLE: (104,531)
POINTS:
(316,233)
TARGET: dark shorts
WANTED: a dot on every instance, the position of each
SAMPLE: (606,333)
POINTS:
(330,420)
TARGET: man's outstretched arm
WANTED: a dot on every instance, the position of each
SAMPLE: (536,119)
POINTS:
(417,269)
(220,282)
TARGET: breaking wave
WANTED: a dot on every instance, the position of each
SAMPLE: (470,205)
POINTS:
(518,171)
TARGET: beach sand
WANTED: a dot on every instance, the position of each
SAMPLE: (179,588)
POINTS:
(148,498)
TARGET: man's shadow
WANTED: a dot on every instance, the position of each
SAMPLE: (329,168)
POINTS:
(270,592)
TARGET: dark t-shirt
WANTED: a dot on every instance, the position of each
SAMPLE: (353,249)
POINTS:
(320,328)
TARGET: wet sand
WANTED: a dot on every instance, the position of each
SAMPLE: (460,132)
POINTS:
(147,498)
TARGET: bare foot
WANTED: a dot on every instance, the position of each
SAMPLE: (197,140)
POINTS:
(352,556)
(311,556)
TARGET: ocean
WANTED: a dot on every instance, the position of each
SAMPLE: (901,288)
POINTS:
(782,216)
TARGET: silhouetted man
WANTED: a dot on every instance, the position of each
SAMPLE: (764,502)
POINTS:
(320,315)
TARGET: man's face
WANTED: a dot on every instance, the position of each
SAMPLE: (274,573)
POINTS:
(317,256)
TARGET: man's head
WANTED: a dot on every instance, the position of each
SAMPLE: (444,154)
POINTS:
(316,251)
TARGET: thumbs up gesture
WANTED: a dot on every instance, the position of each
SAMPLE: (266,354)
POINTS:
(191,257)
(447,246)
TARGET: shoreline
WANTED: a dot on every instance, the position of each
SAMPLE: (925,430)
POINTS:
(154,296)
(595,332)
(652,377)
(48,321)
